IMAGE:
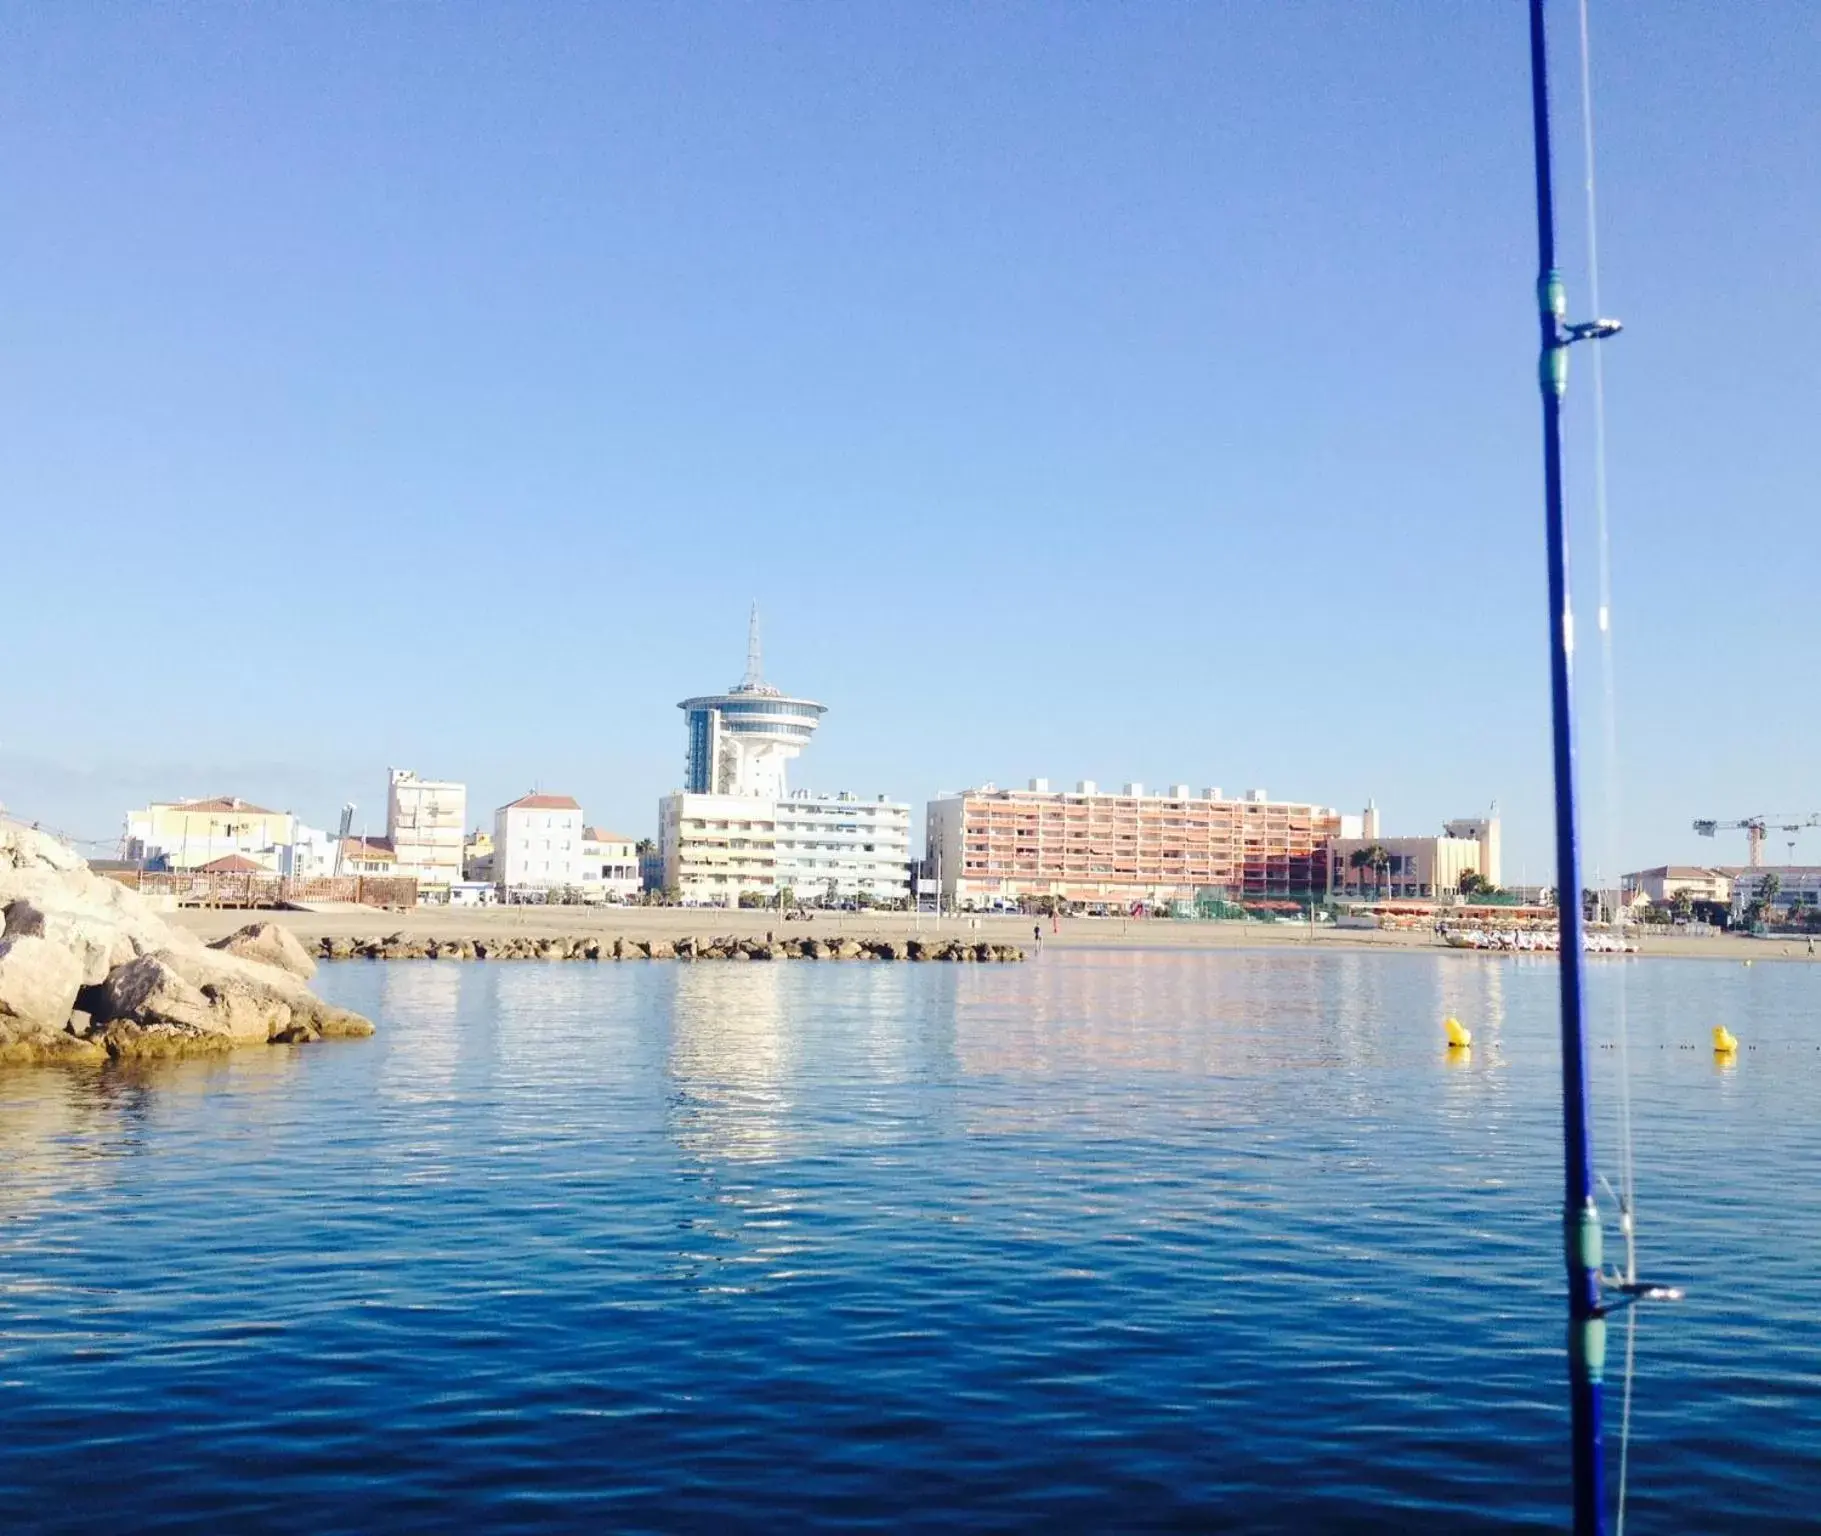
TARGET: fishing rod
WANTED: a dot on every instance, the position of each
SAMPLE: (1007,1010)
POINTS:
(1580,1214)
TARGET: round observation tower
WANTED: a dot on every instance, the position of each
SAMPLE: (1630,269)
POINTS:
(741,740)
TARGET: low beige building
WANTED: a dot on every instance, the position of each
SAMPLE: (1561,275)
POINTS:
(1661,886)
(1418,868)
(368,856)
(188,834)
(477,857)
(610,866)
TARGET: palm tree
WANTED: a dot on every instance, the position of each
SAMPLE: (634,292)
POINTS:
(1473,883)
(1373,856)
(1767,894)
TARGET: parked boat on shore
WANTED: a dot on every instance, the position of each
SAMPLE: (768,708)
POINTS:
(1546,941)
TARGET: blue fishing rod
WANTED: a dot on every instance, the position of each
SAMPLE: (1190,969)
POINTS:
(1580,1215)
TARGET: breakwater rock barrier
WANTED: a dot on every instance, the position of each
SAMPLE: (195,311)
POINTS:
(399,946)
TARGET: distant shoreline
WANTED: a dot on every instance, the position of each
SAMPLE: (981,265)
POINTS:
(1075,933)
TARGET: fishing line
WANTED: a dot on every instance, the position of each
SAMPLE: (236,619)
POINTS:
(1609,688)
(1609,777)
(1609,723)
(1631,1357)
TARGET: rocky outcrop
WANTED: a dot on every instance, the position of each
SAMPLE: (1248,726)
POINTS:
(270,945)
(88,970)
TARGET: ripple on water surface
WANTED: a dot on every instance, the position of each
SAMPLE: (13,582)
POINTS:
(1116,1241)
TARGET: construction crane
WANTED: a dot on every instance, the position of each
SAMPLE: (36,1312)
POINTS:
(1756,828)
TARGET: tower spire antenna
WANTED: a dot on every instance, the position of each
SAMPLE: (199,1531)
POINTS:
(755,670)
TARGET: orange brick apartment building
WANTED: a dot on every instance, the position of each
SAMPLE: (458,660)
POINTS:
(987,845)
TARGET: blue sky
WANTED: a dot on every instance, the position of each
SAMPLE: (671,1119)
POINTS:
(1088,391)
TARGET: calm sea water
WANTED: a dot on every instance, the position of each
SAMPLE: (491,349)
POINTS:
(1107,1241)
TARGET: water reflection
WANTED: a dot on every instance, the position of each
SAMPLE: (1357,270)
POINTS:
(427,1030)
(65,1129)
(997,1243)
(730,1058)
(728,1113)
(1246,1012)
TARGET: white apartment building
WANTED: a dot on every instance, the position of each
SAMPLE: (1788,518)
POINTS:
(537,843)
(718,848)
(309,856)
(1795,883)
(610,866)
(836,847)
(426,822)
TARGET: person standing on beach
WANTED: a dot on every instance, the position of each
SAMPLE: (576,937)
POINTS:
(1037,934)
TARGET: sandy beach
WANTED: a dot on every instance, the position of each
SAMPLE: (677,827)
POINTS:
(1073,933)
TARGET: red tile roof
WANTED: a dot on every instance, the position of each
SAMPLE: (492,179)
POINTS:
(233,864)
(536,802)
(223,803)
(368,848)
(601,835)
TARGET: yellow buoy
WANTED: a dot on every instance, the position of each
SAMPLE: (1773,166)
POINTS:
(1724,1042)
(1459,1035)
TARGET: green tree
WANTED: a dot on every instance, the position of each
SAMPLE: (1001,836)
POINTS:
(1377,858)
(1473,883)
(1684,904)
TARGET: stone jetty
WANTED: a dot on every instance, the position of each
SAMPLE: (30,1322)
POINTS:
(399,946)
(89,971)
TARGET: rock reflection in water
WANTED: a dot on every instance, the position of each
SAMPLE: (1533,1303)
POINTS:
(63,1129)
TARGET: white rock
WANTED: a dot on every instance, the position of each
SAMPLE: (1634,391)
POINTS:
(149,991)
(39,980)
(270,945)
(23,847)
(158,989)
